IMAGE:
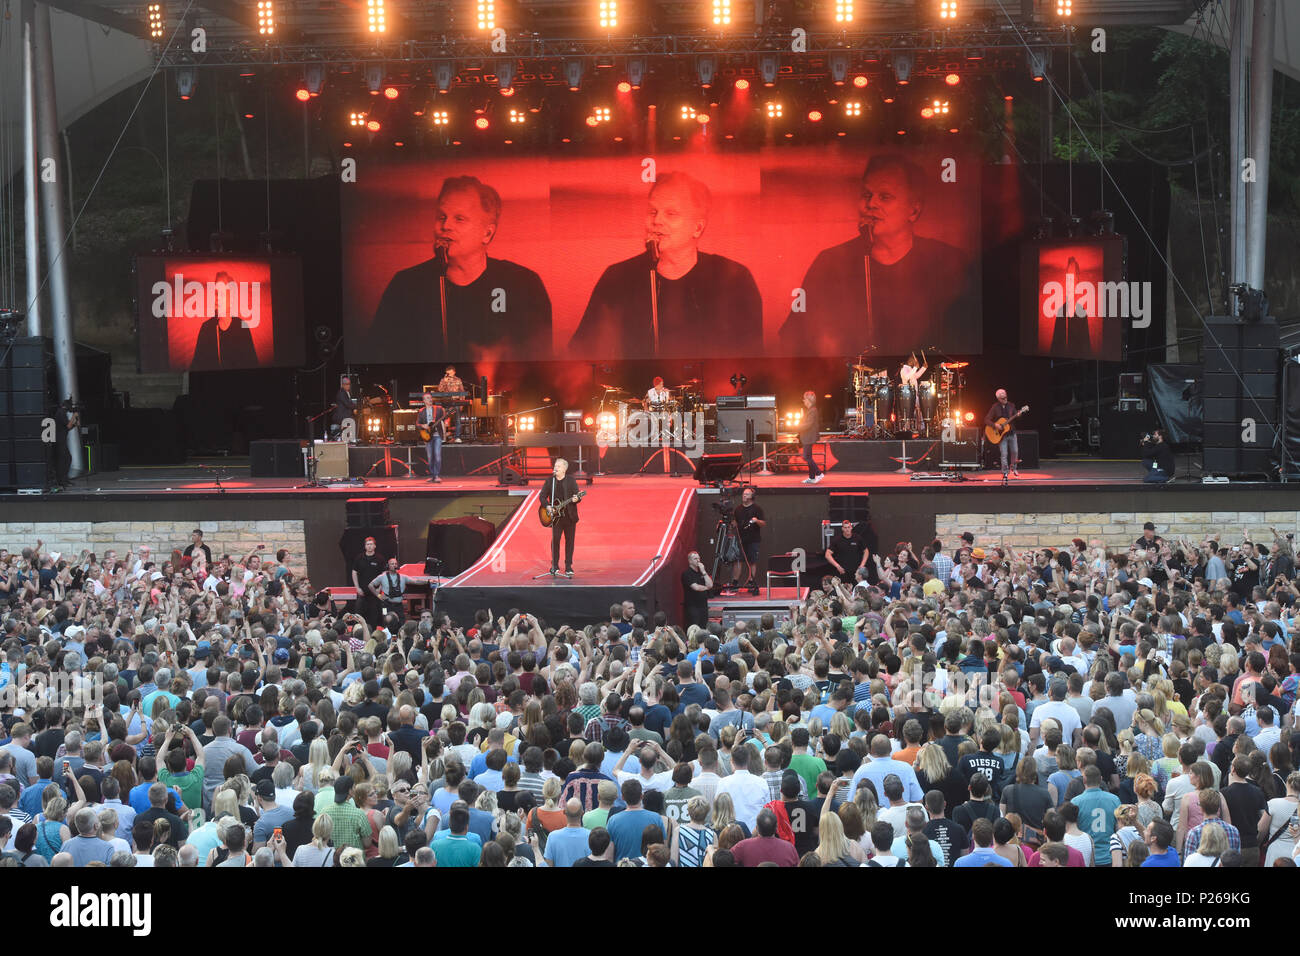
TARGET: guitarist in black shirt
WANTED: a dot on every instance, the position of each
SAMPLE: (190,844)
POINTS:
(559,488)
(1009,446)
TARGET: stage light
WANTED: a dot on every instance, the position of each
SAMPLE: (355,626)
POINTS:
(444,74)
(265,18)
(706,67)
(742,84)
(1008,98)
(156,21)
(303,94)
(774,110)
(356,119)
(702,118)
(815,116)
(487,14)
(375,78)
(1037,65)
(688,112)
(793,418)
(968,417)
(769,64)
(947,9)
(517,116)
(588,421)
(313,77)
(860,81)
(526,423)
(843,11)
(838,63)
(506,76)
(573,70)
(376,16)
(952,79)
(722,13)
(927,112)
(608,11)
(398,142)
(441,118)
(636,72)
(482,122)
(391,92)
(902,68)
(624,86)
(602,114)
(935,108)
(373,125)
(185,82)
(1064,8)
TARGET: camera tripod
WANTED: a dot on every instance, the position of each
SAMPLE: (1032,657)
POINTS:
(728,550)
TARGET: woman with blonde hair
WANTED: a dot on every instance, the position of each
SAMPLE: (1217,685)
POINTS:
(318,759)
(351,856)
(865,799)
(318,852)
(833,847)
(728,837)
(1066,770)
(1126,832)
(934,772)
(841,726)
(692,840)
(52,832)
(549,816)
(724,815)
(387,848)
(1167,766)
(1214,843)
(1150,729)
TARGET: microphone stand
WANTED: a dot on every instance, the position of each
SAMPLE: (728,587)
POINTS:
(865,231)
(652,249)
(440,261)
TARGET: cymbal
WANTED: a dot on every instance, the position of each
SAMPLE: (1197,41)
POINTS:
(865,368)
(611,388)
(954,365)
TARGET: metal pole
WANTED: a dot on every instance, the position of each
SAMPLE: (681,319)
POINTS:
(1261,115)
(1237,145)
(53,214)
(31,227)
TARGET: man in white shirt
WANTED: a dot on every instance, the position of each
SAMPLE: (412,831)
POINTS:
(648,754)
(1058,710)
(748,792)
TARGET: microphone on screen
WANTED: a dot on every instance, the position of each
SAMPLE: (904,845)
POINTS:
(652,250)
(865,231)
(440,254)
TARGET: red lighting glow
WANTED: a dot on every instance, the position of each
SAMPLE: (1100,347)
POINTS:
(373,126)
(815,116)
(482,123)
(952,79)
(742,84)
(624,86)
(507,91)
(702,118)
(303,94)
(390,92)
(859,81)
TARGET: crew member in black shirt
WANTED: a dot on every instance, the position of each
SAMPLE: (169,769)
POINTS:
(750,522)
(846,553)
(1009,447)
(496,309)
(1157,458)
(558,488)
(196,544)
(368,566)
(345,406)
(810,428)
(708,305)
(696,584)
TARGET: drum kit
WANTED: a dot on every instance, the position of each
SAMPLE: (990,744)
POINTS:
(887,408)
(617,405)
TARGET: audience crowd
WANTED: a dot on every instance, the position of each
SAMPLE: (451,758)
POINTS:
(962,707)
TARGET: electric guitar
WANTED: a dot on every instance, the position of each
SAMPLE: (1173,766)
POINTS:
(547,514)
(998,430)
(426,431)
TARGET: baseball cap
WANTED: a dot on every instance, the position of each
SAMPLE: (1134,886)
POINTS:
(74,631)
(1147,583)
(1149,526)
(281,656)
(342,787)
(265,789)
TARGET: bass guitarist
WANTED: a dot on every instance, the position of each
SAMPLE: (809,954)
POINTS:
(556,489)
(432,422)
(1009,447)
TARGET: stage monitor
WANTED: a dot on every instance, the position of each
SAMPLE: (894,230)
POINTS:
(802,251)
(199,313)
(1075,300)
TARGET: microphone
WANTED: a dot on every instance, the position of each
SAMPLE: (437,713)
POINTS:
(865,231)
(652,250)
(440,254)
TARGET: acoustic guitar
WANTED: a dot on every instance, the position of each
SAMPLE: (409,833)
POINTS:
(547,514)
(998,430)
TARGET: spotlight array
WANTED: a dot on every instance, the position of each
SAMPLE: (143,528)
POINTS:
(265,18)
(376,17)
(156,21)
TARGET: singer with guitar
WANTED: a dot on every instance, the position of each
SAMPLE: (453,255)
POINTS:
(432,422)
(559,499)
(1000,429)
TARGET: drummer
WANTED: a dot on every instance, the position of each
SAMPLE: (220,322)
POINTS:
(657,396)
(910,375)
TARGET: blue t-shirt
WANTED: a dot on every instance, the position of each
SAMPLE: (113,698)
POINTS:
(982,856)
(1097,819)
(567,846)
(625,830)
(1168,858)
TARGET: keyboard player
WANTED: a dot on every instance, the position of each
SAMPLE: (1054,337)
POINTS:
(450,386)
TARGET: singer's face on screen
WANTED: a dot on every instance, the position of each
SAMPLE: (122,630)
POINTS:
(887,204)
(672,220)
(461,221)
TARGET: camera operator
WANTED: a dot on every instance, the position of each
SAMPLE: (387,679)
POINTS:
(750,523)
(1157,458)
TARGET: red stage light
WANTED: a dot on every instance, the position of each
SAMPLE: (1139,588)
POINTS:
(889,99)
(390,92)
(592,121)
(1038,79)
(969,416)
(902,132)
(815,116)
(588,421)
(1008,97)
(859,81)
(248,116)
(303,94)
(507,91)
(952,129)
(398,142)
(702,118)
(927,111)
(347,145)
(624,86)
(742,84)
(373,126)
(952,79)
(482,123)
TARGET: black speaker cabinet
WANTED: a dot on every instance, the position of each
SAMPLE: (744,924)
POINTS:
(367,512)
(731,423)
(275,459)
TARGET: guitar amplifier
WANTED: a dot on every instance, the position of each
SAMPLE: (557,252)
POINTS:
(331,459)
(404,427)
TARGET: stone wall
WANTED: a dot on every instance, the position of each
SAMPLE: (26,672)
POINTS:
(234,538)
(1115,530)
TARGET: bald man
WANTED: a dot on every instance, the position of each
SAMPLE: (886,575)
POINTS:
(708,305)
(558,488)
